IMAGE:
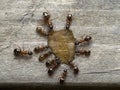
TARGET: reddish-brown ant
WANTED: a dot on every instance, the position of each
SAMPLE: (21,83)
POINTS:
(68,21)
(41,31)
(44,56)
(53,62)
(87,39)
(63,76)
(19,52)
(47,20)
(74,67)
(83,52)
(40,48)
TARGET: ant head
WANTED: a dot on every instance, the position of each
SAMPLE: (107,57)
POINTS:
(36,49)
(38,29)
(65,70)
(30,53)
(48,63)
(87,53)
(76,70)
(62,80)
(51,27)
(69,17)
(46,15)
(17,52)
(50,71)
(88,38)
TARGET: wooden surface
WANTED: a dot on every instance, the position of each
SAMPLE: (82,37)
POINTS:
(99,18)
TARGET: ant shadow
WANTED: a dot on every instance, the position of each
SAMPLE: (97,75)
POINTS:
(22,57)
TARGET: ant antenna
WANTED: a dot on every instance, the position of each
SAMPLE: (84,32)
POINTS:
(18,46)
(46,10)
(23,46)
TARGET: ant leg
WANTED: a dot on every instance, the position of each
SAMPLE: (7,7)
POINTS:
(23,47)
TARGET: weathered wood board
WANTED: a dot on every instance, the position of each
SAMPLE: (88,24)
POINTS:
(99,18)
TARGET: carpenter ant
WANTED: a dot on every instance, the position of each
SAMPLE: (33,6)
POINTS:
(47,20)
(87,39)
(19,52)
(40,48)
(63,76)
(52,65)
(41,31)
(54,61)
(74,67)
(68,21)
(44,56)
(83,52)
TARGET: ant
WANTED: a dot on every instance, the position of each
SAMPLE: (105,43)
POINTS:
(47,20)
(83,52)
(53,64)
(41,31)
(63,76)
(53,61)
(84,40)
(19,52)
(40,48)
(74,67)
(44,56)
(68,21)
